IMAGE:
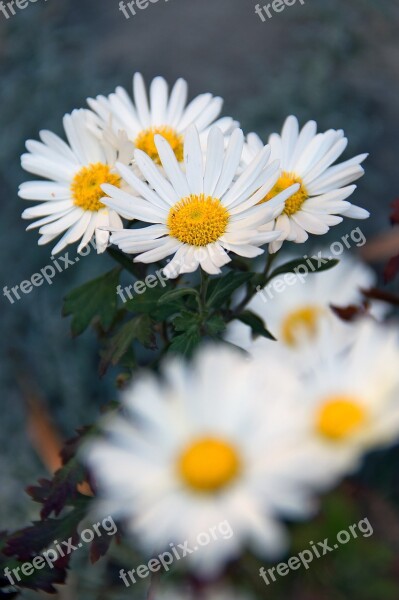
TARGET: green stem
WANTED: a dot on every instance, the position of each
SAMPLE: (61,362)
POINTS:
(203,290)
(252,289)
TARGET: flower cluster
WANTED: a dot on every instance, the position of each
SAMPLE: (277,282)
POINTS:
(205,190)
(277,399)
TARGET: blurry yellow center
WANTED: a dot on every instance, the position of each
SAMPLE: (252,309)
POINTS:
(145,141)
(293,204)
(340,417)
(300,323)
(86,186)
(198,220)
(209,464)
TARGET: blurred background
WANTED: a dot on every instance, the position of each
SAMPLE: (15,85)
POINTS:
(331,60)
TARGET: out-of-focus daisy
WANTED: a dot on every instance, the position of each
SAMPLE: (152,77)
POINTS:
(72,193)
(169,116)
(297,309)
(206,446)
(350,403)
(201,214)
(306,158)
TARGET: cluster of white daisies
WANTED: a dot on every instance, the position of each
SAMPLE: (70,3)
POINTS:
(250,435)
(195,187)
(252,439)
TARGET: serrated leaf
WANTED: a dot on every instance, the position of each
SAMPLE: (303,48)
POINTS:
(256,324)
(313,265)
(224,288)
(186,321)
(139,328)
(186,342)
(32,540)
(215,326)
(97,298)
(64,488)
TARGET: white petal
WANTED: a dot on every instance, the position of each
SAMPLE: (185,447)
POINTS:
(43,190)
(154,176)
(172,167)
(159,100)
(141,102)
(214,160)
(193,161)
(63,223)
(231,162)
(177,102)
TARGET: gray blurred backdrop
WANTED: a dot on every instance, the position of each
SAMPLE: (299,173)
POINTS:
(331,60)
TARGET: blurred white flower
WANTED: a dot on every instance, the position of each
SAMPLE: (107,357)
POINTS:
(296,309)
(306,158)
(72,195)
(216,441)
(350,403)
(202,214)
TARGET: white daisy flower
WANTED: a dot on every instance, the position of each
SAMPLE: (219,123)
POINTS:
(350,403)
(306,158)
(72,195)
(201,214)
(169,116)
(296,309)
(203,447)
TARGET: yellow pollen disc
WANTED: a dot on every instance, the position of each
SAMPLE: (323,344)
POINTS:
(145,142)
(298,323)
(85,187)
(293,204)
(209,465)
(340,417)
(198,220)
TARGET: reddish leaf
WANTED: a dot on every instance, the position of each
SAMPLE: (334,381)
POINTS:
(395,212)
(391,269)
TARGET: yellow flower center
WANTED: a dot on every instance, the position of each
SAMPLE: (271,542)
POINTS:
(145,141)
(198,220)
(293,204)
(85,187)
(340,417)
(300,323)
(209,464)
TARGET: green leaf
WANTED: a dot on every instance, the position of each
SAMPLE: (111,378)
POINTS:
(174,295)
(311,264)
(139,328)
(224,287)
(95,299)
(186,342)
(148,303)
(215,326)
(256,324)
(186,320)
